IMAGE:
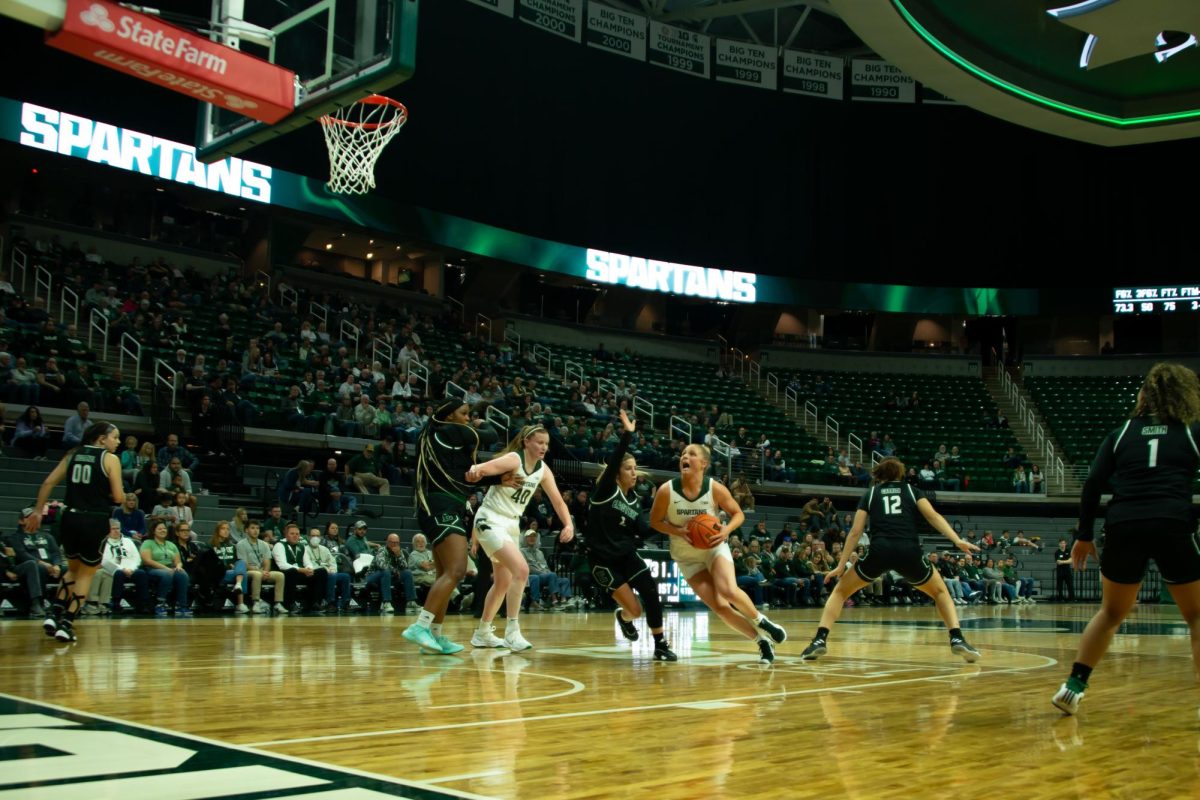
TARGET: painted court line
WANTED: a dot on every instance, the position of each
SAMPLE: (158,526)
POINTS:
(466,776)
(605,711)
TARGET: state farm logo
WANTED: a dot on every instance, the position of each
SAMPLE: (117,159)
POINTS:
(158,37)
(97,17)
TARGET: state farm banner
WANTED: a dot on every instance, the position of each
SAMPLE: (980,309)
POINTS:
(175,58)
(560,17)
(746,63)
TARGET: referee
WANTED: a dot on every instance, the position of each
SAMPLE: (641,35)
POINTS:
(1150,463)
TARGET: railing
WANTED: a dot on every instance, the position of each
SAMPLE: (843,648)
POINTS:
(1052,463)
(722,351)
(167,376)
(319,311)
(604,385)
(512,337)
(644,409)
(462,310)
(791,401)
(348,327)
(854,447)
(287,296)
(875,458)
(573,368)
(773,386)
(422,372)
(68,300)
(678,423)
(499,420)
(42,282)
(19,263)
(722,458)
(98,323)
(754,374)
(133,348)
(833,425)
(484,321)
(810,412)
(380,346)
(737,364)
(263,279)
(540,353)
(454,390)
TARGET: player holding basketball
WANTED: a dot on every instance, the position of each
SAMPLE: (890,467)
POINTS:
(93,475)
(892,506)
(710,571)
(497,526)
(446,449)
(612,545)
(1150,463)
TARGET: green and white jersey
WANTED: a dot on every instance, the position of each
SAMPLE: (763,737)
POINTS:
(682,509)
(510,502)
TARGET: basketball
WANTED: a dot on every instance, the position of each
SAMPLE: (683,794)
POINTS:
(702,529)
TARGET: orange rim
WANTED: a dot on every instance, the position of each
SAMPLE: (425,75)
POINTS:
(371,100)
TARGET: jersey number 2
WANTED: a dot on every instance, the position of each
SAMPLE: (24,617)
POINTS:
(891,505)
(81,473)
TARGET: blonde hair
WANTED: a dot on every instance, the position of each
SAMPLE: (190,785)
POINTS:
(1171,393)
(518,442)
(704,449)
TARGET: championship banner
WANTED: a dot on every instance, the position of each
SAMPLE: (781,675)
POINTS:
(679,49)
(813,74)
(877,81)
(746,63)
(616,31)
(504,7)
(561,17)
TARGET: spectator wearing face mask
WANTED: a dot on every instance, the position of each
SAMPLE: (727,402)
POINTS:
(337,584)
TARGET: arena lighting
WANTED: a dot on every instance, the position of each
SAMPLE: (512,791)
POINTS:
(329,245)
(370,256)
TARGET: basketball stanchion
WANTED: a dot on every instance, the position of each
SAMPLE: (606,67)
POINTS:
(355,135)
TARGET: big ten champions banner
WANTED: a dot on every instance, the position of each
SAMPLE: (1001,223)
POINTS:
(560,17)
(616,31)
(746,64)
(880,82)
(813,74)
(678,49)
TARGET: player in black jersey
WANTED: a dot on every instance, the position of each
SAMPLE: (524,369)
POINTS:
(892,506)
(1150,463)
(611,544)
(446,449)
(93,475)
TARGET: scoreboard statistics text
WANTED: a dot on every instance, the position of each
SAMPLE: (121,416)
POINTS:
(1147,299)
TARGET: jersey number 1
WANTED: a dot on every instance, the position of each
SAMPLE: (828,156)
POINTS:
(1153,445)
(891,505)
(81,473)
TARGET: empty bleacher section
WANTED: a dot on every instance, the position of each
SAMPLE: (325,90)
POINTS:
(1082,410)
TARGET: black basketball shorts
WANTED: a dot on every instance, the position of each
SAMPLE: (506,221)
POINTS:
(447,516)
(905,558)
(1129,546)
(81,535)
(611,572)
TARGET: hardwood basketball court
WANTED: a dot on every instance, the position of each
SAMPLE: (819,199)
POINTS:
(889,711)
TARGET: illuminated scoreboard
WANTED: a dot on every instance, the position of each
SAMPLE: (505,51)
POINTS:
(1148,299)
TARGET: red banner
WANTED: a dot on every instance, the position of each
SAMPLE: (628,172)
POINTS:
(175,58)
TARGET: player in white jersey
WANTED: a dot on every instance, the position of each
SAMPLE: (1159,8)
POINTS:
(497,528)
(710,572)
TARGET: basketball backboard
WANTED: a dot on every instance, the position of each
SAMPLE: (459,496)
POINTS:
(340,50)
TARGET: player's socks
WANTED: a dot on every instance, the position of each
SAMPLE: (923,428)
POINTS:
(425,619)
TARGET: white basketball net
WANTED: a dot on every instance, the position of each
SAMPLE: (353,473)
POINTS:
(355,136)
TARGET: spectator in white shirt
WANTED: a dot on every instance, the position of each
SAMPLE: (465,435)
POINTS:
(119,563)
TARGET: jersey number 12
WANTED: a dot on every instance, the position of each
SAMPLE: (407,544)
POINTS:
(891,505)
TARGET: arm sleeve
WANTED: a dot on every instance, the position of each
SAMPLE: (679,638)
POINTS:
(608,478)
(1097,479)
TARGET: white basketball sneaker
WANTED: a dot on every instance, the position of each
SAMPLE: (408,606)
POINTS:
(486,638)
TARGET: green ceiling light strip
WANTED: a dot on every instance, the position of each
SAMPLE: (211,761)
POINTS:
(1012,88)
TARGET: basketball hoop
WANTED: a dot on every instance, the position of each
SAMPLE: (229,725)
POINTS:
(355,135)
